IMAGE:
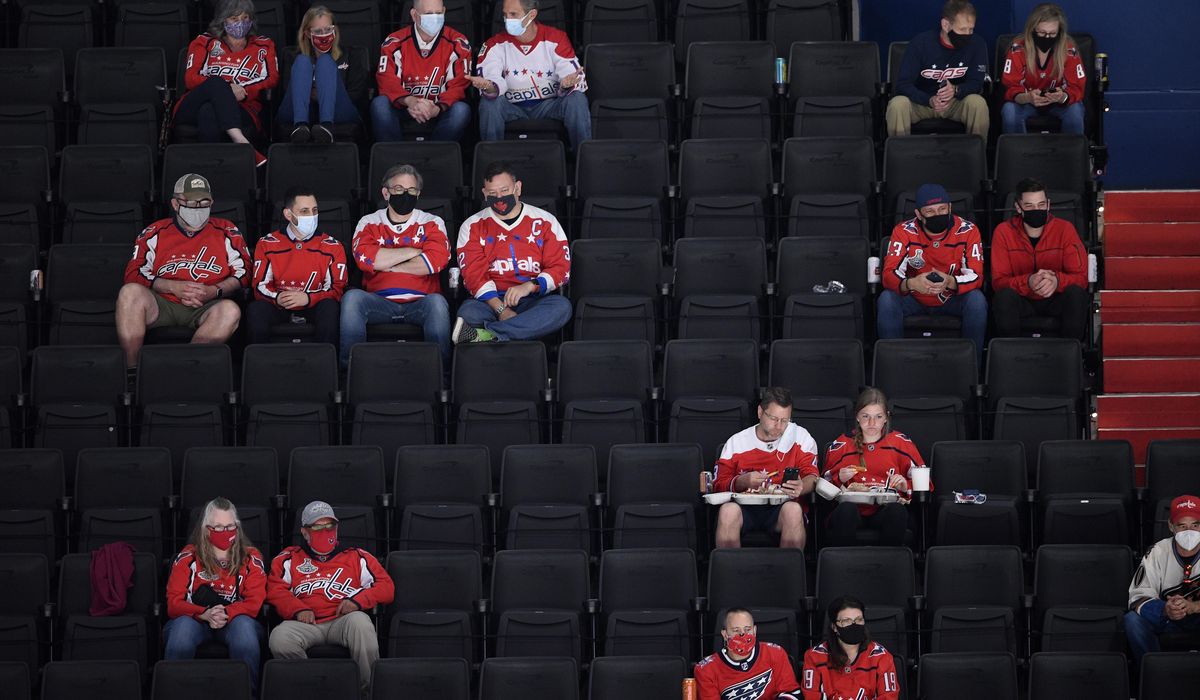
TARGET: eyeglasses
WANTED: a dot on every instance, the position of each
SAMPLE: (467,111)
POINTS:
(194,203)
(846,621)
(322,528)
(222,528)
(777,420)
(1044,35)
(404,190)
(323,31)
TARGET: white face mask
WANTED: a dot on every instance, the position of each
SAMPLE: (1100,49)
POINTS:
(305,226)
(516,27)
(432,24)
(194,218)
(1188,539)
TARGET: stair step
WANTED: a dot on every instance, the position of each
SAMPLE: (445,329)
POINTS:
(1122,411)
(1152,239)
(1151,375)
(1157,306)
(1151,272)
(1151,339)
(1139,439)
(1143,206)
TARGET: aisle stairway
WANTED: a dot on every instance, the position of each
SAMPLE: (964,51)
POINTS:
(1150,316)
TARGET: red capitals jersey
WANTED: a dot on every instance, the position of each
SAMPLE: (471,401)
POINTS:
(301,580)
(316,267)
(872,676)
(1019,76)
(892,454)
(438,74)
(532,71)
(1015,258)
(422,230)
(957,253)
(744,452)
(213,253)
(764,675)
(254,67)
(243,591)
(495,255)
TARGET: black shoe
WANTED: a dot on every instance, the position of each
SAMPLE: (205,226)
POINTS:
(301,134)
(322,134)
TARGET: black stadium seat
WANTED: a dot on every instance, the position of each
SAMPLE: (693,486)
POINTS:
(194,679)
(1080,594)
(968,674)
(828,186)
(884,578)
(283,412)
(1097,675)
(615,288)
(15,679)
(708,389)
(824,376)
(157,24)
(930,384)
(439,493)
(183,392)
(76,393)
(289,679)
(546,492)
(537,600)
(434,622)
(725,185)
(992,467)
(1169,473)
(64,680)
(121,494)
(710,20)
(394,391)
(636,677)
(619,20)
(448,679)
(629,88)
(29,504)
(789,21)
(23,630)
(730,89)
(498,395)
(622,186)
(517,679)
(651,494)
(719,287)
(127,635)
(807,264)
(82,282)
(833,69)
(604,392)
(68,27)
(647,620)
(349,478)
(974,597)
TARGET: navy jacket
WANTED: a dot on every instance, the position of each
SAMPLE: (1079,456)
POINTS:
(927,62)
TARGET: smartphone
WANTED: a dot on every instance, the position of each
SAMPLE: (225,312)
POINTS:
(934,277)
(791,474)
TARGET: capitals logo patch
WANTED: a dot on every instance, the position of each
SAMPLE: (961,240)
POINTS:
(751,689)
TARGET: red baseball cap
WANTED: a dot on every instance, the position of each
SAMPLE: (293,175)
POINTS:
(1185,506)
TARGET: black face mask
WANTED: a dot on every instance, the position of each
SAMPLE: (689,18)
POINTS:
(937,223)
(503,206)
(1044,43)
(852,634)
(402,204)
(958,41)
(1035,218)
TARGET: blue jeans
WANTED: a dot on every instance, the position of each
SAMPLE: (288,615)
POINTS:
(387,121)
(1142,628)
(1013,116)
(243,635)
(970,307)
(537,316)
(571,109)
(361,307)
(333,102)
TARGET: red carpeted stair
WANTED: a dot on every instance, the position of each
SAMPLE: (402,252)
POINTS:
(1150,316)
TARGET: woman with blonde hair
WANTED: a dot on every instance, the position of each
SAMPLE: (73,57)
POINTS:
(322,72)
(217,586)
(872,455)
(1043,73)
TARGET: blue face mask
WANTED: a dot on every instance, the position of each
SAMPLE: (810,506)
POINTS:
(306,226)
(432,24)
(516,27)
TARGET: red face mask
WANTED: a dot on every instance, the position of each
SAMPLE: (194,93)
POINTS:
(741,644)
(222,540)
(323,541)
(322,43)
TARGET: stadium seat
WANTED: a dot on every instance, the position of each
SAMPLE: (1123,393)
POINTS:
(729,89)
(768,582)
(64,680)
(1085,489)
(439,494)
(82,282)
(995,468)
(106,174)
(719,287)
(606,21)
(974,598)
(332,171)
(1170,472)
(113,638)
(789,21)
(883,578)
(824,376)
(828,185)
(622,186)
(546,493)
(652,495)
(37,76)
(28,125)
(120,495)
(19,224)
(956,162)
(290,679)
(636,677)
(349,478)
(614,288)
(247,476)
(826,117)
(358,22)
(18,263)
(710,20)
(1080,595)
(433,678)
(112,124)
(103,222)
(440,165)
(12,393)
(394,391)
(194,679)
(23,611)
(648,620)
(808,263)
(435,621)
(120,75)
(498,395)
(15,679)
(68,27)
(35,488)
(76,393)
(833,69)
(230,170)
(604,390)
(631,88)
(1060,161)
(517,679)
(930,384)
(1167,674)
(541,168)
(1097,675)
(967,674)
(282,412)
(537,600)
(738,190)
(157,24)
(182,393)
(708,389)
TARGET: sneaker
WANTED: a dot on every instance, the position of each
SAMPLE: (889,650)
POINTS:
(466,333)
(259,159)
(322,134)
(301,134)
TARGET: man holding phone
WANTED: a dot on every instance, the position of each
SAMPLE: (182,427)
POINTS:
(934,265)
(774,451)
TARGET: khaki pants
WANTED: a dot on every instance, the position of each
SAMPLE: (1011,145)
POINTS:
(972,111)
(354,631)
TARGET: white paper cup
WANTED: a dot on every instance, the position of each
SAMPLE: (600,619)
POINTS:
(920,478)
(827,490)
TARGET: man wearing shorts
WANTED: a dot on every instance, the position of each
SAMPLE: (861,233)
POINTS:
(760,455)
(188,270)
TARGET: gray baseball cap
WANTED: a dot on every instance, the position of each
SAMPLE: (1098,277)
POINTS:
(315,511)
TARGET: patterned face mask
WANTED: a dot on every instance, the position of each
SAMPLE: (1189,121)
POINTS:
(238,29)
